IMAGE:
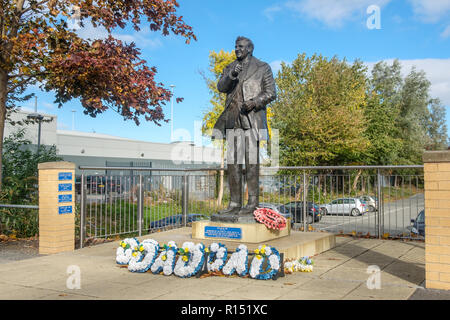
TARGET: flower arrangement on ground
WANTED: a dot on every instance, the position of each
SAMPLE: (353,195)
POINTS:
(143,256)
(273,266)
(304,264)
(238,262)
(166,259)
(190,260)
(218,253)
(125,250)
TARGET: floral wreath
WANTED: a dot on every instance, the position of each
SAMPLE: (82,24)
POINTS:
(143,256)
(238,262)
(125,250)
(166,260)
(218,253)
(190,260)
(271,218)
(256,268)
(304,264)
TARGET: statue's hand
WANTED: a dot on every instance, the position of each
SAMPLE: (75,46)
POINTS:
(237,69)
(249,105)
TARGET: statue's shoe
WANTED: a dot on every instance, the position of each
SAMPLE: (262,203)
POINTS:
(230,211)
(247,210)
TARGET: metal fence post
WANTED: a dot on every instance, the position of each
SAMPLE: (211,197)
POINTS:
(82,211)
(380,208)
(304,201)
(184,198)
(140,204)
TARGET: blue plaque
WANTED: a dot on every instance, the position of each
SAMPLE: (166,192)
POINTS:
(65,176)
(65,209)
(64,198)
(65,187)
(223,232)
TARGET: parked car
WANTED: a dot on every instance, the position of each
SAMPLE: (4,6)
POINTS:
(295,208)
(351,206)
(277,208)
(418,224)
(175,220)
(372,202)
(100,185)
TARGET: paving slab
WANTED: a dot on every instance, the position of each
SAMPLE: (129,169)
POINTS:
(339,273)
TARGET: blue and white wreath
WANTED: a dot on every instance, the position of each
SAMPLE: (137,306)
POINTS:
(143,256)
(273,266)
(166,259)
(125,250)
(217,256)
(238,262)
(190,260)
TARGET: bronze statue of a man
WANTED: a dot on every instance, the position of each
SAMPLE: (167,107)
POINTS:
(249,85)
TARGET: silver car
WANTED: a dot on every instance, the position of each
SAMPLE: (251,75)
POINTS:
(351,206)
(371,202)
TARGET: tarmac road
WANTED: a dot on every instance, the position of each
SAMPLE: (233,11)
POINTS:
(396,215)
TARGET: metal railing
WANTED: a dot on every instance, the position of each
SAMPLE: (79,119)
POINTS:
(316,198)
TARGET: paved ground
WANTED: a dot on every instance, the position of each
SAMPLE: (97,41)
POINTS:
(340,273)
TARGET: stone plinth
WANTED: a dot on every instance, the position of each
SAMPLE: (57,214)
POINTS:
(56,207)
(437,219)
(251,232)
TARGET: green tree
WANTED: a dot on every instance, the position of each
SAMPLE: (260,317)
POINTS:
(39,45)
(382,113)
(414,117)
(20,186)
(437,129)
(319,111)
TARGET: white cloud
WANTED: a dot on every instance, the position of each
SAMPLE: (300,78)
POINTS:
(446,32)
(268,12)
(436,72)
(333,13)
(276,66)
(431,10)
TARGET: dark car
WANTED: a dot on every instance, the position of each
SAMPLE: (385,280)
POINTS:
(99,185)
(175,220)
(418,224)
(295,208)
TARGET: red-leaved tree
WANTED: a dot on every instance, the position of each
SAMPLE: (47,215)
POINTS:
(38,45)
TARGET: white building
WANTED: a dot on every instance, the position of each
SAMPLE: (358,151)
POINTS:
(101,150)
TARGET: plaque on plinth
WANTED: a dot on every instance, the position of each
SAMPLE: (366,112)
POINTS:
(239,231)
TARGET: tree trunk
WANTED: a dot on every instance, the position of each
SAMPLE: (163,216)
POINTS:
(355,182)
(222,164)
(3,94)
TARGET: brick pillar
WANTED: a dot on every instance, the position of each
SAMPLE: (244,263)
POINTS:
(56,207)
(437,219)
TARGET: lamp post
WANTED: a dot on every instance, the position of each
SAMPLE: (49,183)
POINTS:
(171,113)
(37,117)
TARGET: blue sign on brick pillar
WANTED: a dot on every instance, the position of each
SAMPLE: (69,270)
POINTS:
(64,187)
(65,209)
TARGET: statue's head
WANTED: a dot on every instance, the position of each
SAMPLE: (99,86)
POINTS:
(244,47)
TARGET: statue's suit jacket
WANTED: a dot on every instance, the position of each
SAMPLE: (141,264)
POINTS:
(259,85)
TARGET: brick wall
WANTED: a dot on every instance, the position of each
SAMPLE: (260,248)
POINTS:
(437,219)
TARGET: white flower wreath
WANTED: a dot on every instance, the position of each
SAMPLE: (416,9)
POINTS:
(143,257)
(125,249)
(190,260)
(218,252)
(256,268)
(166,260)
(238,262)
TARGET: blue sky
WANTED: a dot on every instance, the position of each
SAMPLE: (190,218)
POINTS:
(417,32)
